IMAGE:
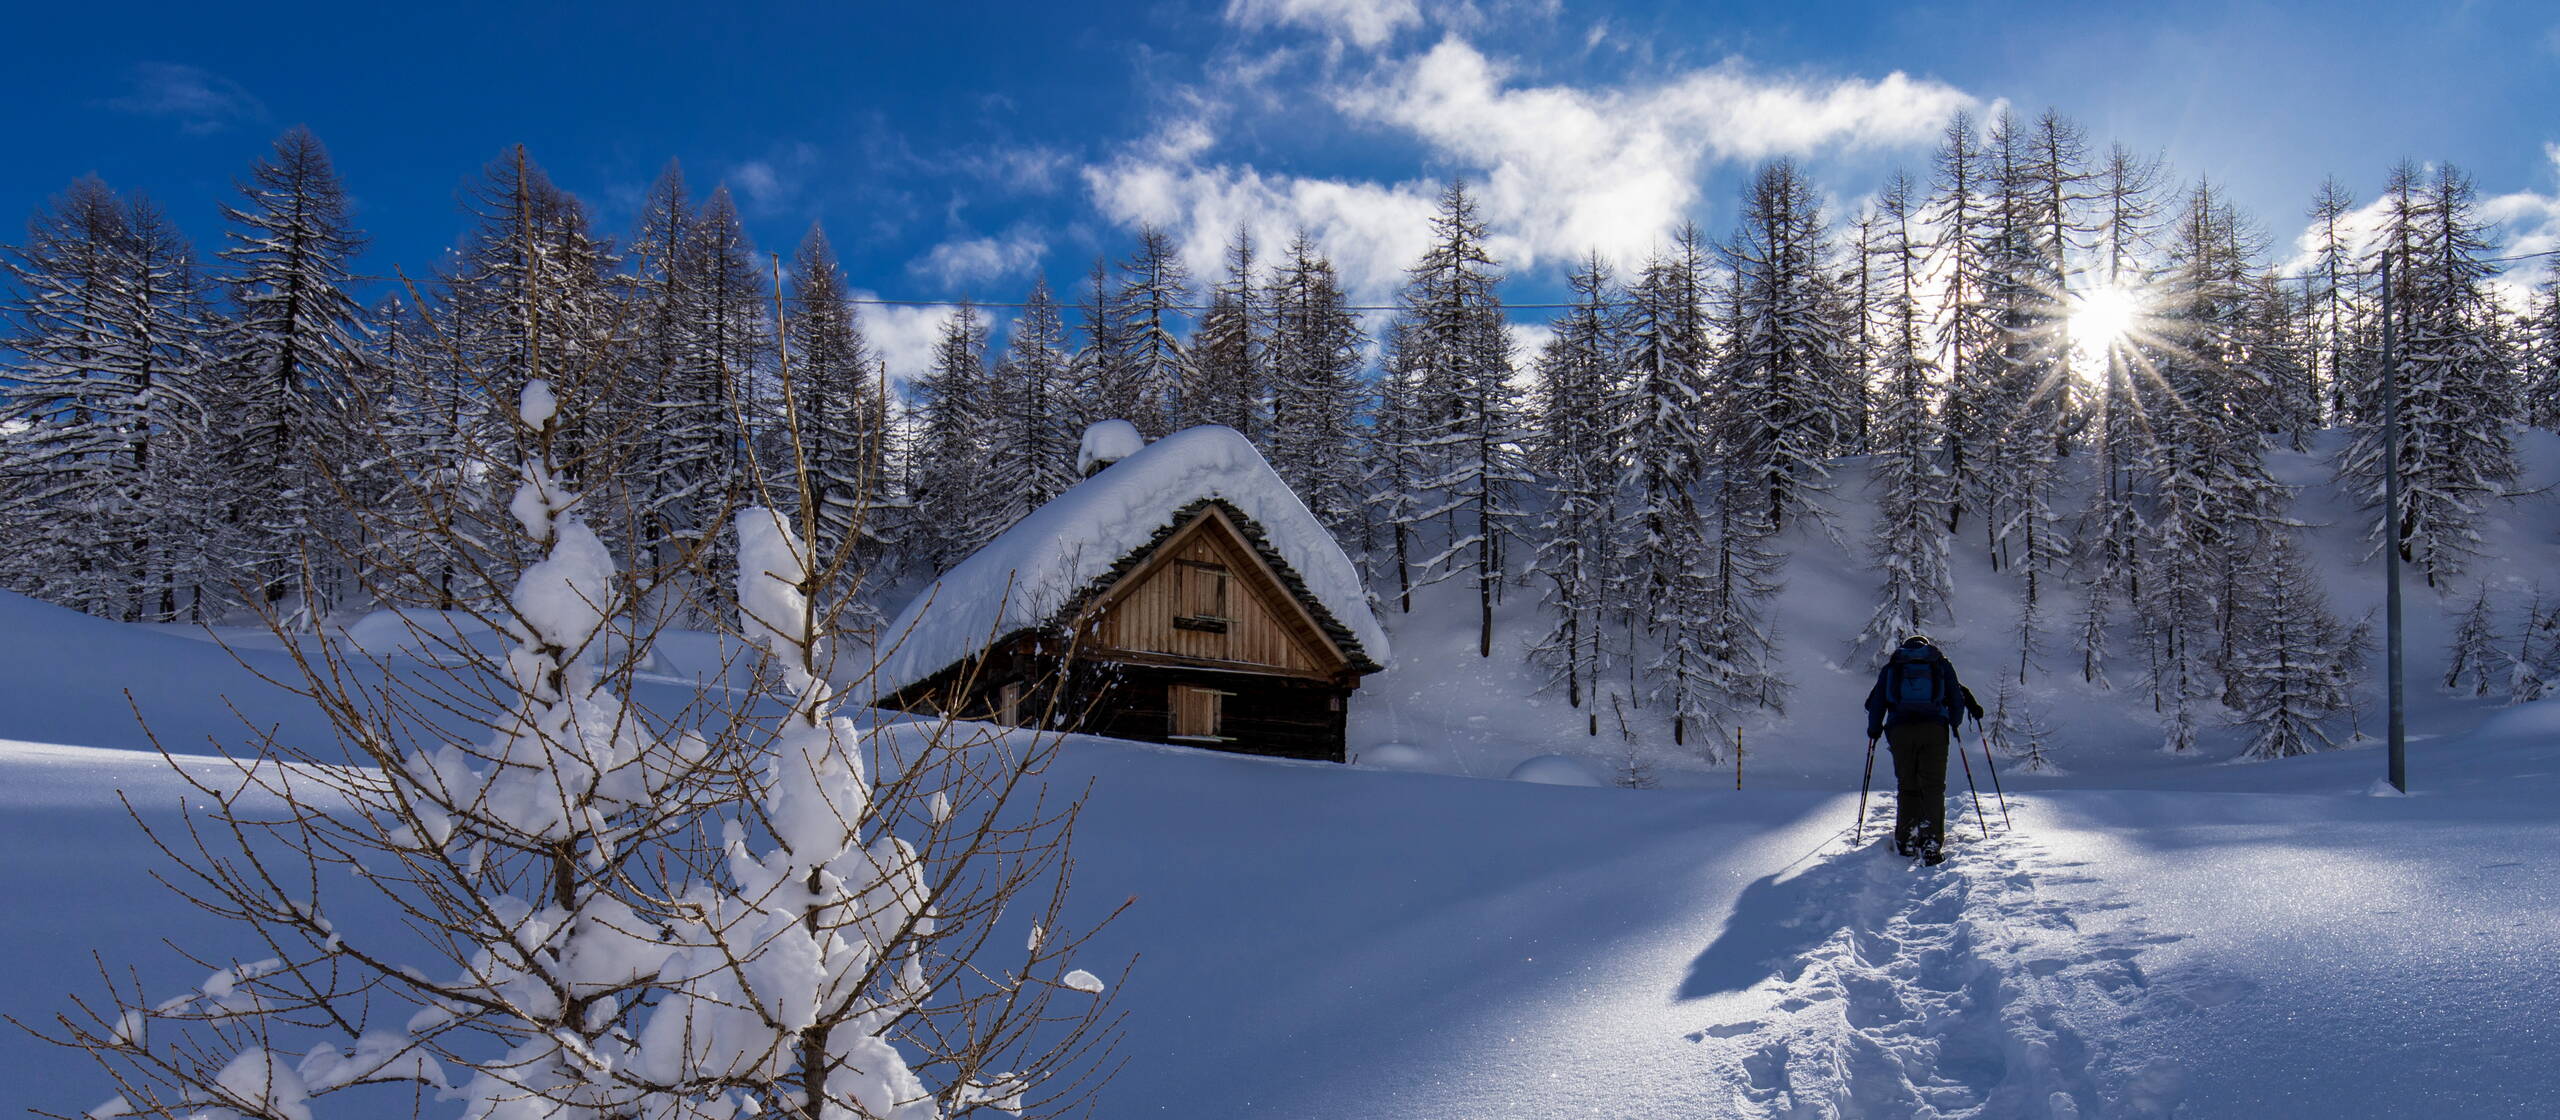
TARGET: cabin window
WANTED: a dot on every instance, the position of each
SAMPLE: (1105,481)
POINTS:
(1009,705)
(1198,713)
(1204,598)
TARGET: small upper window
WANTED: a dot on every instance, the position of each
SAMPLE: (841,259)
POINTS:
(1204,597)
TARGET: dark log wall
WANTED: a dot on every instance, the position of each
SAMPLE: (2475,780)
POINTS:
(1283,716)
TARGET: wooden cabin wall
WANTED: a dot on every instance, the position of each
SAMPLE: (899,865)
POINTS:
(1144,619)
(1281,716)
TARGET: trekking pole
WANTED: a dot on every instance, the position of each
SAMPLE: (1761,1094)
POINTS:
(1859,832)
(1994,764)
(1984,821)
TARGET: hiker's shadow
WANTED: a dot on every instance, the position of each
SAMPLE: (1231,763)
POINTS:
(1784,916)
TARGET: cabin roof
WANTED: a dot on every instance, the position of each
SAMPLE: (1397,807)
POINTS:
(1053,561)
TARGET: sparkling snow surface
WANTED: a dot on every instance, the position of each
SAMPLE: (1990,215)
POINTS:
(2152,937)
(1022,577)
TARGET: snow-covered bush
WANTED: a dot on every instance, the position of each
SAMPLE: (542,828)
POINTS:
(745,907)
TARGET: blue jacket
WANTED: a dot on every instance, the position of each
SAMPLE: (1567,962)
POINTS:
(1880,710)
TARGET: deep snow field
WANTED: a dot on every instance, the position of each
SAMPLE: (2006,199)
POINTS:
(2148,936)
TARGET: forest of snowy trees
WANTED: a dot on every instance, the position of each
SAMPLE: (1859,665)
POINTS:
(187,433)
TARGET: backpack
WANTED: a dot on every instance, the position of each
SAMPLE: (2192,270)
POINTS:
(1913,686)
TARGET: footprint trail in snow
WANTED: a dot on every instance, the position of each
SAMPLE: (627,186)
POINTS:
(1963,990)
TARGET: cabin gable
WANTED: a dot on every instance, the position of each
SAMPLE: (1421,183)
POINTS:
(1206,596)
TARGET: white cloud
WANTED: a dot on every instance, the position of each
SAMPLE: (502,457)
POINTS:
(902,335)
(1566,170)
(1558,170)
(1369,23)
(1371,231)
(978,260)
(2531,220)
(200,100)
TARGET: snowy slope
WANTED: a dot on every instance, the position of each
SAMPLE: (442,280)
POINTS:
(1320,941)
(1470,715)
(2154,937)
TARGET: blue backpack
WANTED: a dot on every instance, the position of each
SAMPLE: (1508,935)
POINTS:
(1914,687)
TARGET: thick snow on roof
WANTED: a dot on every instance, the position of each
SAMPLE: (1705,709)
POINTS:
(1023,577)
(1108,442)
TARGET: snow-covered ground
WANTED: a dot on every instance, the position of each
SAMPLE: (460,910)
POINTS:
(2150,936)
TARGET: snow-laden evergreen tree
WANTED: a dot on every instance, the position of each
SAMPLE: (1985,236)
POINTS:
(1575,457)
(711,414)
(1031,443)
(1146,386)
(955,512)
(2274,363)
(1315,357)
(1230,375)
(1960,213)
(2026,377)
(1099,370)
(2541,382)
(2534,669)
(1912,488)
(418,464)
(294,342)
(105,430)
(1660,588)
(1392,484)
(836,403)
(1787,364)
(2473,650)
(2457,451)
(2335,300)
(2127,213)
(2292,672)
(1463,419)
(2209,492)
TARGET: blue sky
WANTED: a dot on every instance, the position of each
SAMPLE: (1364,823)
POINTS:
(958,148)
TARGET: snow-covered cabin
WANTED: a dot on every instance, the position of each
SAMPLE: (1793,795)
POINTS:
(1181,594)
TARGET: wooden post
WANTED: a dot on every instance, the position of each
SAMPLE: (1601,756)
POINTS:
(1737,758)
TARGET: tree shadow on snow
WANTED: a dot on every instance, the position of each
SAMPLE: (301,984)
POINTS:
(1782,917)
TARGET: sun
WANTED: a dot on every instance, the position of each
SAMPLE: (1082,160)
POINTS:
(2103,317)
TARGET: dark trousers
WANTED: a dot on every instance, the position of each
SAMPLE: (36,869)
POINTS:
(1920,772)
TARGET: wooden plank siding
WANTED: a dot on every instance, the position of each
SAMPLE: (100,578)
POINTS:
(1158,608)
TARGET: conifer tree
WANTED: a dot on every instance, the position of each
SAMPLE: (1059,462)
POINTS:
(1960,213)
(2335,302)
(1575,458)
(1315,358)
(835,399)
(294,342)
(2455,385)
(1230,381)
(1464,418)
(954,511)
(105,424)
(2542,358)
(1147,388)
(2473,651)
(1787,364)
(2290,675)
(1912,487)
(1031,447)
(1100,369)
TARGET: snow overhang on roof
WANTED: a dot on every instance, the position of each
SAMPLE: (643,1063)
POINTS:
(1037,569)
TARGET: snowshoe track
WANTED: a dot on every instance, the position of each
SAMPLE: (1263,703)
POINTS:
(1963,990)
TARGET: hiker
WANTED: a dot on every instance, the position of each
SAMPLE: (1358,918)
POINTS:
(1916,704)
